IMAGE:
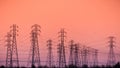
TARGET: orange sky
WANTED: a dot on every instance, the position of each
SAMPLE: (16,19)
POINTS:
(89,22)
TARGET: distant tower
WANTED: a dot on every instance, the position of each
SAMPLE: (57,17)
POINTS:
(35,54)
(95,57)
(9,50)
(61,50)
(71,57)
(50,62)
(76,54)
(84,54)
(12,53)
(111,56)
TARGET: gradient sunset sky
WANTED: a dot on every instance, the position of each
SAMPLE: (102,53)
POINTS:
(88,22)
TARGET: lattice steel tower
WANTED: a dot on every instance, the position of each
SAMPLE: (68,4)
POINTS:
(9,50)
(12,52)
(95,57)
(35,54)
(61,50)
(71,57)
(50,62)
(85,53)
(111,56)
(76,54)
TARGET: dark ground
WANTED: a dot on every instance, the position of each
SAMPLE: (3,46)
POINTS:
(72,66)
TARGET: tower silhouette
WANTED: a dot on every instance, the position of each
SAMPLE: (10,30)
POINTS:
(34,50)
(111,55)
(61,50)
(71,57)
(50,62)
(74,58)
(84,54)
(12,52)
(95,57)
(76,54)
(9,50)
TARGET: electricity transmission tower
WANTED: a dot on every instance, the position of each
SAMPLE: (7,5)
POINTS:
(85,53)
(61,50)
(71,57)
(111,56)
(12,53)
(50,62)
(35,54)
(95,57)
(76,54)
(9,50)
